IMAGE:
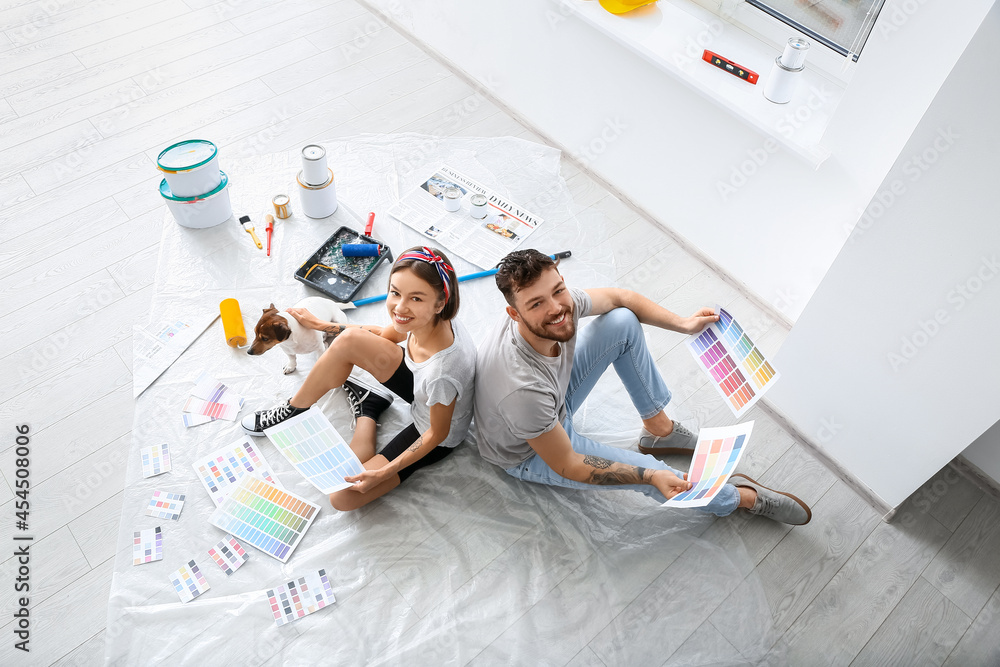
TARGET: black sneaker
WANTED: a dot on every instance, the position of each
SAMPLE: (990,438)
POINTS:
(366,400)
(256,423)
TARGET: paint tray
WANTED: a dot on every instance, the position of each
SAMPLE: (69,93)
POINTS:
(336,276)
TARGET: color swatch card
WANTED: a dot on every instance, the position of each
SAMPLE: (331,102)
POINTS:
(313,446)
(165,505)
(212,393)
(715,457)
(189,582)
(155,460)
(264,516)
(147,546)
(221,470)
(300,597)
(211,409)
(229,555)
(736,366)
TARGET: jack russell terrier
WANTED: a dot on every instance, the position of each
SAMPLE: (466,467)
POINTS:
(281,329)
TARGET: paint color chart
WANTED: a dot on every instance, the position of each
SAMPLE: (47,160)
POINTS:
(736,366)
(300,597)
(211,409)
(220,470)
(313,446)
(147,546)
(715,458)
(264,516)
(229,555)
(155,460)
(210,395)
(165,505)
(189,582)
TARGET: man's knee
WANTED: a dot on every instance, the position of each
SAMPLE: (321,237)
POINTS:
(622,319)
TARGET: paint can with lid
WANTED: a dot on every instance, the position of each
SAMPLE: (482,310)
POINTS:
(477,206)
(314,167)
(318,201)
(206,210)
(452,198)
(780,84)
(190,167)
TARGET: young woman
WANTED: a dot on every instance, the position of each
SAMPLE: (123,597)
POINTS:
(435,374)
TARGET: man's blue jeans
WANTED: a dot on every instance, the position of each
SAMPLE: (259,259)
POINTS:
(615,338)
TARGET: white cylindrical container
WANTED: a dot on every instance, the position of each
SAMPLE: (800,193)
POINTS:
(314,167)
(780,84)
(794,55)
(191,167)
(477,206)
(318,201)
(208,210)
(452,198)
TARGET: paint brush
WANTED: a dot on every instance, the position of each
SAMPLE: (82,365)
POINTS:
(469,276)
(269,219)
(244,221)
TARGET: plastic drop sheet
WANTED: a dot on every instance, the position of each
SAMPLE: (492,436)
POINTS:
(461,563)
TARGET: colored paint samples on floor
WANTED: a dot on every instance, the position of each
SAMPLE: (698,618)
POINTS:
(229,555)
(165,505)
(313,446)
(300,597)
(147,546)
(737,367)
(155,460)
(222,469)
(715,458)
(265,517)
(211,400)
(189,582)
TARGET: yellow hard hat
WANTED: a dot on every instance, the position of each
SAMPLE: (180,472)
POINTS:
(622,6)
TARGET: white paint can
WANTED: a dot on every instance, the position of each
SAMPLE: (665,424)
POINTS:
(318,201)
(452,198)
(208,210)
(314,167)
(477,206)
(780,83)
(190,167)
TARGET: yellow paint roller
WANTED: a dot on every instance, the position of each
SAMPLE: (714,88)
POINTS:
(232,323)
(623,6)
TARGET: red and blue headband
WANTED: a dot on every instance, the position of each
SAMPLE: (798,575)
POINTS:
(431,257)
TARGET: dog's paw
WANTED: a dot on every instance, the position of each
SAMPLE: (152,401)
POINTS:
(289,368)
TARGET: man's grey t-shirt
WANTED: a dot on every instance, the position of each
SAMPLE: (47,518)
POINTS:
(521,394)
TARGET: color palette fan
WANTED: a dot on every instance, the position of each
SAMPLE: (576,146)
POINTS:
(211,400)
(222,469)
(264,516)
(229,555)
(715,458)
(313,446)
(147,546)
(165,505)
(155,460)
(300,597)
(189,582)
(736,366)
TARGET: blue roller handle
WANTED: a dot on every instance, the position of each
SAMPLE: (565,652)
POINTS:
(461,279)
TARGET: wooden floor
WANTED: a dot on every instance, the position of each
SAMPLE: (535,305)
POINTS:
(89,91)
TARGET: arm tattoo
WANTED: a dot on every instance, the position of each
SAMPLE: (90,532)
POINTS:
(415,446)
(597,461)
(334,329)
(620,474)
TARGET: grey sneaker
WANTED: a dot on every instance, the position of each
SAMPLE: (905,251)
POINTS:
(680,441)
(256,423)
(366,400)
(775,505)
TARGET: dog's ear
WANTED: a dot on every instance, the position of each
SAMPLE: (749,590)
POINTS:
(281,330)
(270,309)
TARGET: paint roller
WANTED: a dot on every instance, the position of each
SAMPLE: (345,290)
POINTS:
(232,323)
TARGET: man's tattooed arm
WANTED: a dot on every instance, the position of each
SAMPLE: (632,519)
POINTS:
(415,446)
(612,472)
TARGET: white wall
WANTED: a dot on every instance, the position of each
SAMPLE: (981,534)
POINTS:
(893,366)
(571,81)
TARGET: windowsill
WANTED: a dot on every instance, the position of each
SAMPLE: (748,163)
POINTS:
(672,34)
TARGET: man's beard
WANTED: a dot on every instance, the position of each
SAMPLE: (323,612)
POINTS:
(568,329)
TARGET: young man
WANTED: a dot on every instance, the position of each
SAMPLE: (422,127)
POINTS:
(536,368)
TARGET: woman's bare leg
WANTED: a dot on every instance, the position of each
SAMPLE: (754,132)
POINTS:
(347,499)
(355,347)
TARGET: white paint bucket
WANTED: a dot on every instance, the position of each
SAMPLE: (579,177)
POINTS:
(318,201)
(208,210)
(314,165)
(191,167)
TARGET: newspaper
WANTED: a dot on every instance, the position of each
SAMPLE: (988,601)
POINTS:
(483,242)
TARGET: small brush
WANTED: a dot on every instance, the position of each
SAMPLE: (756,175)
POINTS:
(269,219)
(244,221)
